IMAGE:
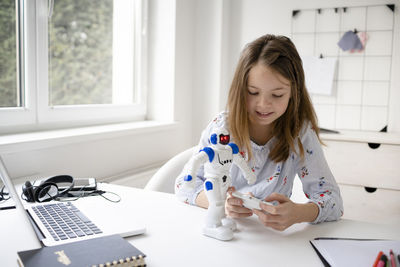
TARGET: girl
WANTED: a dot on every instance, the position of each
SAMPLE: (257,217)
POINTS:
(271,119)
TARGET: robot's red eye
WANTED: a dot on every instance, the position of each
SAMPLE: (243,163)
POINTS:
(224,139)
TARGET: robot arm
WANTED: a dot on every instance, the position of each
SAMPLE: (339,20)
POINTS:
(192,167)
(241,163)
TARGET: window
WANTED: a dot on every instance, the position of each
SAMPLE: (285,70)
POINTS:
(9,95)
(71,62)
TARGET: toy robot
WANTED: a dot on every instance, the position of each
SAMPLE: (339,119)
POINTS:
(217,160)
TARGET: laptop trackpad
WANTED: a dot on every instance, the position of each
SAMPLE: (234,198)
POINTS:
(111,218)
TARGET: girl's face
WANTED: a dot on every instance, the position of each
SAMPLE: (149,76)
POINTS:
(268,95)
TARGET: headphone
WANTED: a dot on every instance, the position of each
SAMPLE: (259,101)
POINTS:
(47,190)
(4,195)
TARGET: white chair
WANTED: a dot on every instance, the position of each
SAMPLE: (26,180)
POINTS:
(164,179)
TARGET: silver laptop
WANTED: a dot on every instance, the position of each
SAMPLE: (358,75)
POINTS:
(64,222)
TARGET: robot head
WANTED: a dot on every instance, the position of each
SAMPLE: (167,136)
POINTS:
(220,137)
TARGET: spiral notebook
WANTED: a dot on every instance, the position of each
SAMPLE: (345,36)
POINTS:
(102,251)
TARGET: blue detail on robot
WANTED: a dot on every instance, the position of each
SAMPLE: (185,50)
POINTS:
(208,185)
(210,153)
(188,178)
(235,148)
(213,139)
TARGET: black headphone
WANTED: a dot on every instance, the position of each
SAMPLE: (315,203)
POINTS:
(4,195)
(47,189)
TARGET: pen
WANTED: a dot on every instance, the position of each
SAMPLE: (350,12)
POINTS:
(377,259)
(382,261)
(392,259)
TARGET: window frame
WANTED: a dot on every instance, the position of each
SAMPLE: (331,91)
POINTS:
(35,113)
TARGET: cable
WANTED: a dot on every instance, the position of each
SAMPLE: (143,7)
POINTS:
(75,195)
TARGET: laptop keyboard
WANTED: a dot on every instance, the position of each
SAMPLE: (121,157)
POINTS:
(65,221)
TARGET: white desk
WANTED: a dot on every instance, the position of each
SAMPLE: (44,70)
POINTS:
(174,237)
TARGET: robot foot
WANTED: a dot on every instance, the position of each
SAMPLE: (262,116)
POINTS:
(228,222)
(223,233)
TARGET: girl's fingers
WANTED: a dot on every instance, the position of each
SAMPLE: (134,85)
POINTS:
(239,215)
(267,217)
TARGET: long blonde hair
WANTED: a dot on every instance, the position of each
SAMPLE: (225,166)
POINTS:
(280,54)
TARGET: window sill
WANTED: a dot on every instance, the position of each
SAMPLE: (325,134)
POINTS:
(39,140)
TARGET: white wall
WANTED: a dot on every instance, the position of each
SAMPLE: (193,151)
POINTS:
(207,67)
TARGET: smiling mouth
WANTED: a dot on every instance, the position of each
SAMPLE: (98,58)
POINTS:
(264,114)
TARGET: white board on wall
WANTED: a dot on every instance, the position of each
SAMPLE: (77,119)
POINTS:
(361,89)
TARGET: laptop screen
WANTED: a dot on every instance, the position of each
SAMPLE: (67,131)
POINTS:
(6,199)
(15,227)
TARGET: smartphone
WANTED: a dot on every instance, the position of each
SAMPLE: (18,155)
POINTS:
(81,184)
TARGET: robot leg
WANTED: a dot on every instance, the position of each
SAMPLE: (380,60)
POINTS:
(228,222)
(215,212)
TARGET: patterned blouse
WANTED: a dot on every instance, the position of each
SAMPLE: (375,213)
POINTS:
(319,185)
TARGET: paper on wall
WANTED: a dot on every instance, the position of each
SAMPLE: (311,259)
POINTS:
(319,74)
(350,41)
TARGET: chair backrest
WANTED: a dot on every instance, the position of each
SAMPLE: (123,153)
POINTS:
(164,179)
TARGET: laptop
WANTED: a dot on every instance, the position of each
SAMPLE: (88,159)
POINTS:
(85,220)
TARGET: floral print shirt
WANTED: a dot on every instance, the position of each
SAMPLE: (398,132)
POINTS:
(319,185)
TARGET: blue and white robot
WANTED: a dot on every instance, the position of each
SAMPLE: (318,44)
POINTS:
(217,160)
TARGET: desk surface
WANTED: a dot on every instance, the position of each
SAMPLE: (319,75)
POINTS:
(174,237)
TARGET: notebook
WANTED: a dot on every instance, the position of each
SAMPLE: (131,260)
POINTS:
(352,252)
(103,251)
(112,220)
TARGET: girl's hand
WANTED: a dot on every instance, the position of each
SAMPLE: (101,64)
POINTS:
(286,213)
(234,206)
